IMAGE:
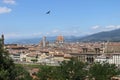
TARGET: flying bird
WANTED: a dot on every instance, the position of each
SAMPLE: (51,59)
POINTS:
(48,12)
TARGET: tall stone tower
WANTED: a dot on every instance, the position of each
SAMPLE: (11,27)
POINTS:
(44,41)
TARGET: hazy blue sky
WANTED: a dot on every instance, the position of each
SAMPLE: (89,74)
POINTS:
(28,18)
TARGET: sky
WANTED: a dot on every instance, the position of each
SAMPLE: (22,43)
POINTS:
(28,18)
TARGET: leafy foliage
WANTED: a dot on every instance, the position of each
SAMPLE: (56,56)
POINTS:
(70,70)
(6,65)
(76,70)
(73,70)
(22,73)
(103,71)
(8,70)
(47,73)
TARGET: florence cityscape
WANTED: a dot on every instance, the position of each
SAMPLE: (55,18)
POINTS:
(59,40)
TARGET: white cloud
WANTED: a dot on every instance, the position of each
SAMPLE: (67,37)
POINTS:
(98,28)
(5,10)
(37,34)
(19,35)
(48,34)
(95,27)
(9,1)
(111,27)
(75,31)
(55,31)
(11,35)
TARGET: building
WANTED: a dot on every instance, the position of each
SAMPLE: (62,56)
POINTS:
(60,39)
(44,41)
(112,58)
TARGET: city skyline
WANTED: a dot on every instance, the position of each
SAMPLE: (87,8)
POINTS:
(28,18)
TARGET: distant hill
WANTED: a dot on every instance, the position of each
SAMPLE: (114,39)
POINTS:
(37,40)
(113,35)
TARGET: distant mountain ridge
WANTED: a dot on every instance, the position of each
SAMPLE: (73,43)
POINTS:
(37,40)
(113,35)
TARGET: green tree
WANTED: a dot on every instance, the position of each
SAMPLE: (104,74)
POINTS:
(6,65)
(68,70)
(103,71)
(8,70)
(47,73)
(73,70)
(34,60)
(22,73)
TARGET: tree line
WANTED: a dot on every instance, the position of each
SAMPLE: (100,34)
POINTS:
(76,70)
(68,70)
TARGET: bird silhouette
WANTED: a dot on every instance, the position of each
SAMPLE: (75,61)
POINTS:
(48,12)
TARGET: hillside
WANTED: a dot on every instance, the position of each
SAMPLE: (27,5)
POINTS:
(113,35)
